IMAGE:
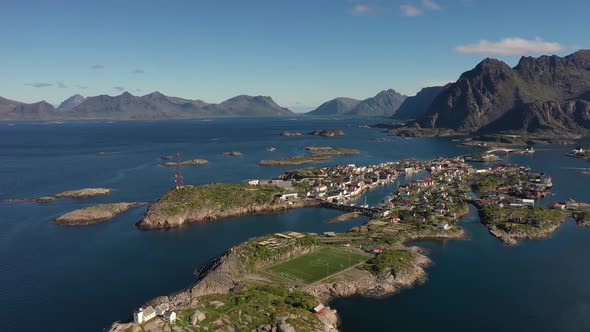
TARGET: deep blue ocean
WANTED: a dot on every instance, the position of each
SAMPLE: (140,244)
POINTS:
(56,278)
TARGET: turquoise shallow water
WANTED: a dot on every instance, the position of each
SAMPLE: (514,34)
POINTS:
(82,279)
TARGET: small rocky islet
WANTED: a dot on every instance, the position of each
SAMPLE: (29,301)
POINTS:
(192,162)
(95,214)
(327,132)
(77,194)
(315,154)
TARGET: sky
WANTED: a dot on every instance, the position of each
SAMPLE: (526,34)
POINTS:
(301,53)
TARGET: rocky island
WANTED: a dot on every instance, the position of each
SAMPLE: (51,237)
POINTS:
(315,154)
(579,153)
(232,153)
(95,214)
(191,204)
(280,282)
(78,194)
(84,193)
(327,132)
(290,133)
(192,162)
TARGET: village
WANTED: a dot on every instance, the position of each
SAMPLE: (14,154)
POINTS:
(433,198)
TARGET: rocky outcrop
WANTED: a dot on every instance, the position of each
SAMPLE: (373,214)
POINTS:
(290,133)
(514,236)
(327,132)
(156,218)
(84,193)
(78,194)
(95,214)
(374,285)
(192,162)
(233,153)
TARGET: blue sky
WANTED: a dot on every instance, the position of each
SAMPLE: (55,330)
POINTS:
(301,53)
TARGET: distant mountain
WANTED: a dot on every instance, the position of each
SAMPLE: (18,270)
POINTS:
(248,106)
(336,106)
(548,94)
(14,110)
(71,102)
(385,103)
(151,106)
(416,107)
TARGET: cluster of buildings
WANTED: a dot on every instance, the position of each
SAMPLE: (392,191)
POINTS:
(143,315)
(339,184)
(517,186)
(436,199)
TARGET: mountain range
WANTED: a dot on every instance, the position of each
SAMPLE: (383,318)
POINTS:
(385,103)
(129,107)
(548,94)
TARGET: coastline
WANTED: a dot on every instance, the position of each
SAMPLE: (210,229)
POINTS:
(236,270)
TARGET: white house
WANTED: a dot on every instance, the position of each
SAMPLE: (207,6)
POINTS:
(161,309)
(143,315)
(444,226)
(170,316)
(288,196)
(318,308)
(528,202)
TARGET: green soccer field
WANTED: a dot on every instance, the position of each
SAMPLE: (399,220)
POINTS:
(317,265)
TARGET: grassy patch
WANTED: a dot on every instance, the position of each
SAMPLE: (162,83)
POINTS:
(389,260)
(317,265)
(219,196)
(257,305)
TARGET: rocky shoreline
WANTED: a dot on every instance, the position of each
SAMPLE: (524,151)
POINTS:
(95,214)
(232,274)
(155,219)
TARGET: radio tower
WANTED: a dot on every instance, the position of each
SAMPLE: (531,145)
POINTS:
(178,179)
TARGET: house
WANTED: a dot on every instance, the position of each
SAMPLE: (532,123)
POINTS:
(143,315)
(253,182)
(170,316)
(556,206)
(288,196)
(395,219)
(318,308)
(161,309)
(421,219)
(528,202)
(444,226)
(377,250)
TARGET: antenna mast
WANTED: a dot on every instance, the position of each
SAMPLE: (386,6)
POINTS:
(178,179)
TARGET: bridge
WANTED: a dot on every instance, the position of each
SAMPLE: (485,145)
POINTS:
(500,150)
(507,150)
(370,212)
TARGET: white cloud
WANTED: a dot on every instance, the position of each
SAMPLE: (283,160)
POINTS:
(431,5)
(363,10)
(511,46)
(411,10)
